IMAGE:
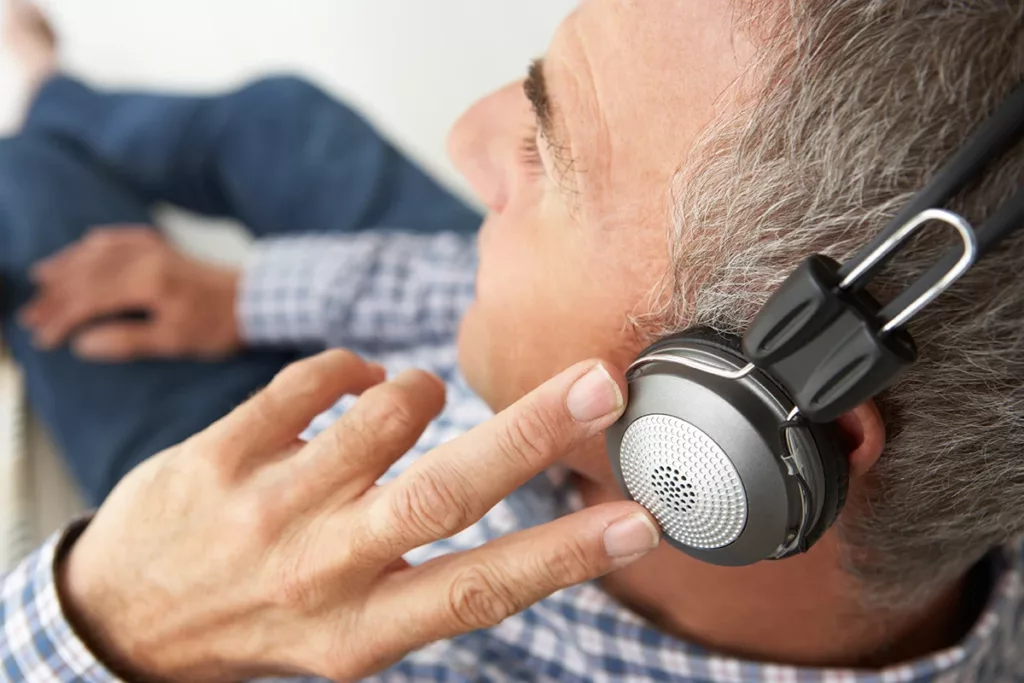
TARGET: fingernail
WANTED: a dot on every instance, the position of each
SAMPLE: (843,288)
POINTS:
(593,396)
(631,537)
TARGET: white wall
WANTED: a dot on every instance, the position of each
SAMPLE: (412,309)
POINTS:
(413,65)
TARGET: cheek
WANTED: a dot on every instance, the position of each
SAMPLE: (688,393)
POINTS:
(507,334)
(540,307)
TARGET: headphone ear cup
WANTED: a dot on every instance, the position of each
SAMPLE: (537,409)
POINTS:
(831,447)
(827,438)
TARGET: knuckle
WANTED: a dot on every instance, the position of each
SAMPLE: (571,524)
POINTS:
(478,598)
(364,545)
(267,404)
(293,592)
(339,358)
(568,565)
(299,378)
(389,409)
(292,586)
(530,439)
(429,506)
(352,439)
(216,463)
(255,519)
(309,378)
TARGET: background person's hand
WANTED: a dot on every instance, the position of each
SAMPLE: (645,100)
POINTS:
(244,553)
(179,306)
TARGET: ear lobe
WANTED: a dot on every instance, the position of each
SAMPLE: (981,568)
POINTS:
(865,432)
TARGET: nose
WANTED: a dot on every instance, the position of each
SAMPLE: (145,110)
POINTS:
(482,145)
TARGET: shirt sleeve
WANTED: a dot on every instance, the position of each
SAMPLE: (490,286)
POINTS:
(38,643)
(374,290)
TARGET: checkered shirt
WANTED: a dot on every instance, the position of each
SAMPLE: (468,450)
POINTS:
(397,299)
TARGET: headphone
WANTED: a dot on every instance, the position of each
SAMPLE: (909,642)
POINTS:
(731,443)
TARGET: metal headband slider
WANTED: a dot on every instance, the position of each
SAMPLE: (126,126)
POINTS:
(897,239)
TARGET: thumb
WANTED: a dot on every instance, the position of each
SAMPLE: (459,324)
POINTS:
(120,341)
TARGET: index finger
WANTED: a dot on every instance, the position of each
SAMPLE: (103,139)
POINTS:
(454,485)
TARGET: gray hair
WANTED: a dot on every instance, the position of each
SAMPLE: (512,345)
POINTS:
(858,104)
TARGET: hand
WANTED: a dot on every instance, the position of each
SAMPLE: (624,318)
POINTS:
(244,553)
(189,305)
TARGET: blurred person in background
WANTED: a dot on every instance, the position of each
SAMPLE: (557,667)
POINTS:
(667,164)
(88,283)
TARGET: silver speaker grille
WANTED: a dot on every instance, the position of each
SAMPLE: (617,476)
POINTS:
(678,473)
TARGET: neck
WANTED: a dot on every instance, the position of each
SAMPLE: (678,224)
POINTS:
(803,611)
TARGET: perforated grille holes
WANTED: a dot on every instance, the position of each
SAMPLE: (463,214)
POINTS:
(678,473)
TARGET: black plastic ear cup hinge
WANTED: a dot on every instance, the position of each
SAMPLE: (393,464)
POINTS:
(824,344)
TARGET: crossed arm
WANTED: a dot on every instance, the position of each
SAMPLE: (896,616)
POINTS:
(373,291)
(311,179)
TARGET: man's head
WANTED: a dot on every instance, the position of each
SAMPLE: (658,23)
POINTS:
(690,154)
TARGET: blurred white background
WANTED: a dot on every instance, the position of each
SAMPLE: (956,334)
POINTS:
(412,65)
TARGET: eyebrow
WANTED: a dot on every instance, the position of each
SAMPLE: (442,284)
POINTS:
(535,87)
(536,90)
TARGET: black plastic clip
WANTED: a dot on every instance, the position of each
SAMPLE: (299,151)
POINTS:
(825,338)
